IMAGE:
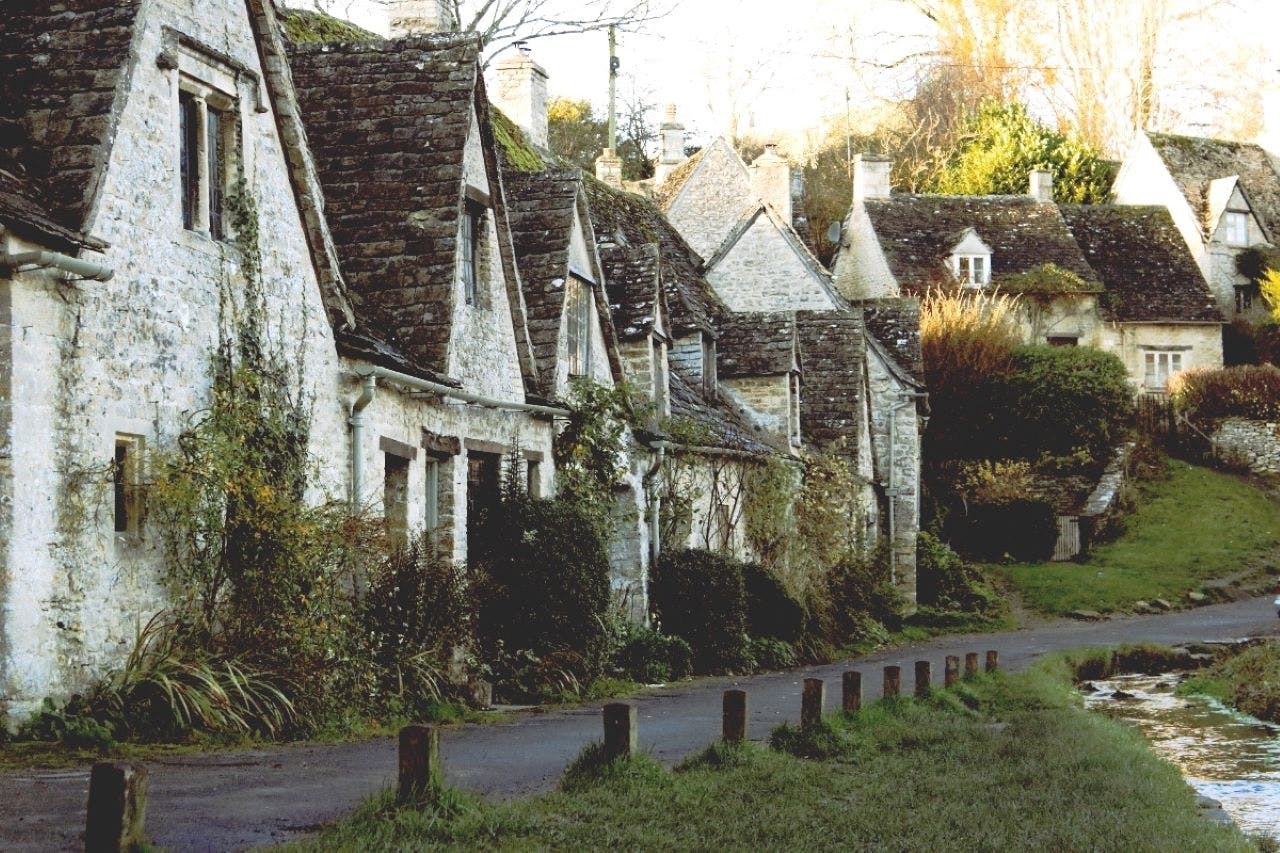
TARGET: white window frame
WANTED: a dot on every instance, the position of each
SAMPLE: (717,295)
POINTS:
(1158,365)
(1236,228)
(972,270)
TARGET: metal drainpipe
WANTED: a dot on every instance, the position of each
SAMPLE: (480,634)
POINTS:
(655,505)
(44,260)
(367,392)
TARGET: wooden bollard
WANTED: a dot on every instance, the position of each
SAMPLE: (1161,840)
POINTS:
(892,681)
(924,674)
(619,730)
(851,691)
(117,808)
(734,724)
(420,774)
(815,694)
(951,671)
(993,660)
(970,664)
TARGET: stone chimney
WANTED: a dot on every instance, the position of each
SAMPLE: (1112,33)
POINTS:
(416,17)
(771,181)
(672,135)
(520,91)
(609,168)
(870,177)
(1041,185)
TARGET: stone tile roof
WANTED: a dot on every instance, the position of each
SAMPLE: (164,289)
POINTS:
(388,122)
(918,232)
(666,193)
(63,67)
(756,344)
(632,284)
(724,426)
(1194,162)
(621,218)
(832,348)
(540,208)
(1144,264)
(894,325)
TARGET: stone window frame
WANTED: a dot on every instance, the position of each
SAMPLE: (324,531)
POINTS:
(1160,363)
(397,460)
(210,82)
(1235,227)
(972,270)
(128,486)
(578,304)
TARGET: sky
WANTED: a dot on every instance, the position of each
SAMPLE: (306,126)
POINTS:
(778,68)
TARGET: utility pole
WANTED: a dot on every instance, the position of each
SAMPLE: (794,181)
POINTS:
(613,86)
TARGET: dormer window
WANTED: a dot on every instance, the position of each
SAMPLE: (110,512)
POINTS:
(1236,228)
(469,249)
(973,270)
(578,326)
(971,260)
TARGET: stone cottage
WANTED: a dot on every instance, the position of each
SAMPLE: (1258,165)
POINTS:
(1224,198)
(743,219)
(1115,277)
(159,204)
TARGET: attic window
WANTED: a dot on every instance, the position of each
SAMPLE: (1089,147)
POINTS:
(1236,226)
(578,326)
(206,149)
(471,249)
(972,270)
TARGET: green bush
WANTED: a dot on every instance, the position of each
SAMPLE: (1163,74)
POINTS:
(699,595)
(1066,400)
(771,610)
(1246,391)
(770,654)
(1023,529)
(856,604)
(945,581)
(643,654)
(541,579)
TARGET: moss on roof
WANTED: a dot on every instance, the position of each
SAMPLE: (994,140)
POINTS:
(518,154)
(302,26)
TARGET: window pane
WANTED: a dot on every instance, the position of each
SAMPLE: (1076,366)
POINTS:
(217,175)
(467,250)
(188,154)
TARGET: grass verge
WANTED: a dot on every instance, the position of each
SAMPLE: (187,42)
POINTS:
(1195,525)
(1001,762)
(1248,680)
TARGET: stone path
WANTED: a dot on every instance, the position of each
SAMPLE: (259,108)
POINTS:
(228,801)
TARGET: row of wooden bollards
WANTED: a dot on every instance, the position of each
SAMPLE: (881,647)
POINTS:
(117,792)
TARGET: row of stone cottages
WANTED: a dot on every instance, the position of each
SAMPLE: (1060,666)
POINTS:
(433,293)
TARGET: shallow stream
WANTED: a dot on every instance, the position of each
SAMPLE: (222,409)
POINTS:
(1225,755)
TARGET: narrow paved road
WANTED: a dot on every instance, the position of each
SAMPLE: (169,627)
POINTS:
(229,801)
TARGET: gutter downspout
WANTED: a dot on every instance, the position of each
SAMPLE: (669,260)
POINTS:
(357,422)
(655,502)
(56,260)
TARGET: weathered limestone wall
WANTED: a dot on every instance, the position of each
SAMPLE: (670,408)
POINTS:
(762,272)
(713,200)
(1062,316)
(1254,444)
(686,356)
(132,355)
(767,399)
(897,467)
(861,270)
(1199,343)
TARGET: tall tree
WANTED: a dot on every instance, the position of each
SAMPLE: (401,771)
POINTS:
(577,135)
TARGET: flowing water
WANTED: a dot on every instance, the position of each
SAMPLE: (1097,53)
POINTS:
(1225,755)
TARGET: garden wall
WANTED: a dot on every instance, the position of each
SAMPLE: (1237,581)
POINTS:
(1255,444)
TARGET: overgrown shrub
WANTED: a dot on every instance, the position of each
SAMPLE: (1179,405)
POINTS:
(859,603)
(643,654)
(946,582)
(1245,391)
(541,574)
(768,654)
(1023,529)
(771,610)
(699,595)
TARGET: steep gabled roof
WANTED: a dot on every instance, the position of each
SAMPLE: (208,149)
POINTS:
(632,280)
(64,69)
(1144,264)
(802,252)
(918,232)
(540,207)
(725,427)
(756,344)
(1196,162)
(389,122)
(624,219)
(893,327)
(832,347)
